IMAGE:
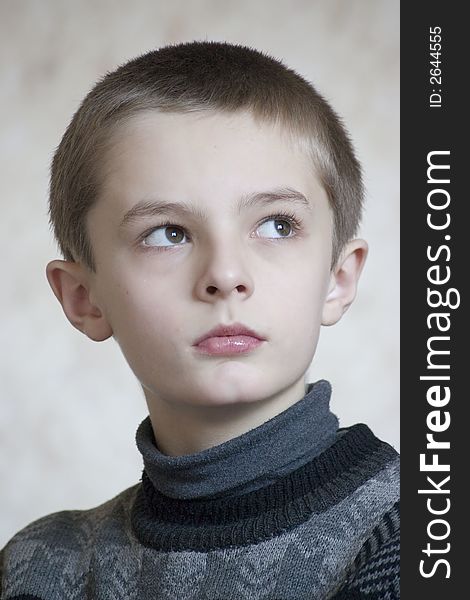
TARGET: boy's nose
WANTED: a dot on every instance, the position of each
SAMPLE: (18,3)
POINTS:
(224,272)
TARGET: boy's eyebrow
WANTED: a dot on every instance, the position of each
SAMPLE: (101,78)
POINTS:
(156,207)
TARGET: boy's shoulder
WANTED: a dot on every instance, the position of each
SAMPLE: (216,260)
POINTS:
(64,536)
(361,446)
(375,571)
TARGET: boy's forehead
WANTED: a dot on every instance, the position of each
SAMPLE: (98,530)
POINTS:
(177,136)
(192,157)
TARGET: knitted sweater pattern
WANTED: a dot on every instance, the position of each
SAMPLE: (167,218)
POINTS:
(328,529)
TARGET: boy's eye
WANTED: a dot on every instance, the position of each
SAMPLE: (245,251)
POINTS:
(275,228)
(166,235)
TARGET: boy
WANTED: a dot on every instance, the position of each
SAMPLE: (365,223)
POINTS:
(206,199)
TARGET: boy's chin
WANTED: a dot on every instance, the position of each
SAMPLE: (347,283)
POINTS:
(239,386)
(226,392)
(227,382)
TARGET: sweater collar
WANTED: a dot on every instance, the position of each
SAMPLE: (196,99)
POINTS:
(250,461)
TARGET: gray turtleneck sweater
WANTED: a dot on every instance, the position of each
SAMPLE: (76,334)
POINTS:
(293,509)
(253,460)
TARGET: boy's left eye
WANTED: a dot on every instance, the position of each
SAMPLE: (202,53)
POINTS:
(275,228)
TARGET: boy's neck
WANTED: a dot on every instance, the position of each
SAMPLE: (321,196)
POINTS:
(187,429)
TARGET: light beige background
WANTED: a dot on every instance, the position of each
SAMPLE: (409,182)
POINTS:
(69,406)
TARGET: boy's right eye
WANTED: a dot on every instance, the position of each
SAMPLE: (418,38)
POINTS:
(165,236)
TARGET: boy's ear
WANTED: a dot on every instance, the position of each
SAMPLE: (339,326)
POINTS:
(343,281)
(70,285)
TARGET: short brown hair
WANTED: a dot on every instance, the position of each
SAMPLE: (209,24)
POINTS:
(200,76)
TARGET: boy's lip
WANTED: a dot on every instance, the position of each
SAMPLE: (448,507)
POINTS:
(227,330)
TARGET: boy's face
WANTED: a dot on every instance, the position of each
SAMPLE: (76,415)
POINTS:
(222,262)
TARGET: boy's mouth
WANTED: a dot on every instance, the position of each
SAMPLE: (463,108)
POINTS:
(228,339)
